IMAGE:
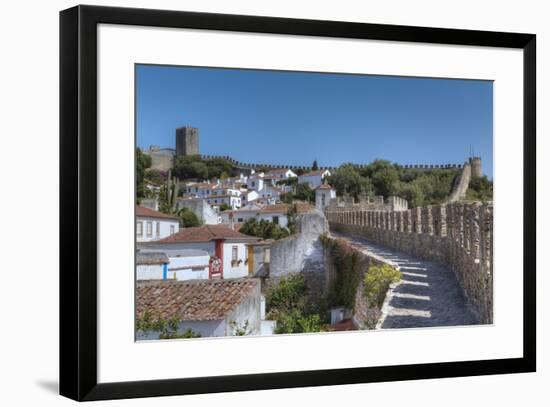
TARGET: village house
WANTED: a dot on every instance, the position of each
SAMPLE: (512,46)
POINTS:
(151,265)
(256,181)
(323,194)
(227,249)
(277,213)
(279,174)
(314,178)
(153,225)
(233,201)
(207,307)
(188,264)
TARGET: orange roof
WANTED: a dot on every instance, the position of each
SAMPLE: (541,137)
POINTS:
(193,300)
(324,186)
(150,213)
(205,233)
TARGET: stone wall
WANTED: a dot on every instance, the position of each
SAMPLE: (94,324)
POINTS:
(459,234)
(301,251)
(461,184)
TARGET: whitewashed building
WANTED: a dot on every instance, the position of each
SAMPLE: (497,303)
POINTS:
(323,194)
(279,174)
(227,249)
(189,264)
(277,213)
(314,178)
(153,225)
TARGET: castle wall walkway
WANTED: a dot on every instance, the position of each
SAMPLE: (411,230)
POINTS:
(428,295)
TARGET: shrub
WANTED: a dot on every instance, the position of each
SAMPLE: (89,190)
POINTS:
(291,306)
(377,282)
(168,328)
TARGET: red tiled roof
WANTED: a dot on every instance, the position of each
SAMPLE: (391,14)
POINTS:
(204,233)
(192,300)
(150,213)
(324,186)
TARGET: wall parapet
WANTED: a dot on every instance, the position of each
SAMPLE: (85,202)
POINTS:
(459,234)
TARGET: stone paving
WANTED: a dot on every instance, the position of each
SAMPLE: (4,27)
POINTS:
(428,295)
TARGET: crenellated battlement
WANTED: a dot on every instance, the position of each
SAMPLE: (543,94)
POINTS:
(369,203)
(459,234)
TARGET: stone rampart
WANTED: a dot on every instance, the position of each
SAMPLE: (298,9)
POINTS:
(459,234)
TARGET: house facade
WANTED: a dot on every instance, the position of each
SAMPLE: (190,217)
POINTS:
(314,178)
(323,194)
(227,249)
(152,225)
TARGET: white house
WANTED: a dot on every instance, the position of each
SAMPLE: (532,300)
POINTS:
(189,264)
(279,174)
(152,225)
(256,182)
(323,194)
(313,178)
(234,202)
(277,213)
(207,307)
(151,265)
(227,249)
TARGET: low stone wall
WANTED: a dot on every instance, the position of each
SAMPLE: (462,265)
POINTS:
(459,234)
(301,250)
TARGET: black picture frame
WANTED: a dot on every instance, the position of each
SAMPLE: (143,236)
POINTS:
(78,196)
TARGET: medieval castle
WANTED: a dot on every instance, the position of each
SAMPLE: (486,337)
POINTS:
(188,141)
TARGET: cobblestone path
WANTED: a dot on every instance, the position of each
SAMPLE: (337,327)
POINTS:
(428,294)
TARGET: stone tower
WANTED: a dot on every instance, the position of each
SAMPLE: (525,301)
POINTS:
(475,163)
(187,141)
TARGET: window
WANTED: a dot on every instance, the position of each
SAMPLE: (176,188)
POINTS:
(323,199)
(158,229)
(139,229)
(275,220)
(240,220)
(267,255)
(149,229)
(234,253)
(172,229)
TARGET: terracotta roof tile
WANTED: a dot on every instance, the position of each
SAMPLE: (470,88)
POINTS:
(324,186)
(150,213)
(204,233)
(193,300)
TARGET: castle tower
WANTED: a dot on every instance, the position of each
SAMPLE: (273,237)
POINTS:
(475,163)
(187,141)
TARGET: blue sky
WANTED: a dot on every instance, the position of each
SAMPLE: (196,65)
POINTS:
(294,117)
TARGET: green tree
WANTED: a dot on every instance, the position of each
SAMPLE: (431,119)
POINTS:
(304,193)
(314,166)
(190,167)
(188,218)
(480,189)
(143,162)
(224,207)
(264,229)
(347,180)
(385,181)
(289,305)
